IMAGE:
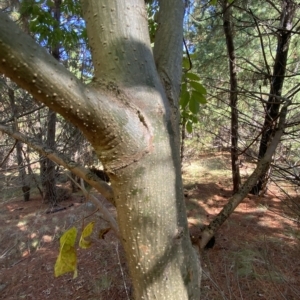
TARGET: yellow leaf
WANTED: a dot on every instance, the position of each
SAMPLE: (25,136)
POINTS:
(87,231)
(67,258)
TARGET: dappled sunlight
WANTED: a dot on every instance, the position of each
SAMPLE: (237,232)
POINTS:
(257,243)
(30,246)
(22,225)
(47,238)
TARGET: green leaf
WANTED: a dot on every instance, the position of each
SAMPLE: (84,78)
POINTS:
(35,10)
(194,119)
(213,2)
(184,99)
(198,87)
(192,76)
(185,114)
(50,3)
(183,87)
(189,127)
(199,97)
(186,63)
(194,106)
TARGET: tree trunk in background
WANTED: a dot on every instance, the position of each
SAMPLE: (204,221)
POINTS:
(239,196)
(236,178)
(276,82)
(49,178)
(47,165)
(129,113)
(21,166)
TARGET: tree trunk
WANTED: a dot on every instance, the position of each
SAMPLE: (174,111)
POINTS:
(238,197)
(21,166)
(236,178)
(48,166)
(276,82)
(131,121)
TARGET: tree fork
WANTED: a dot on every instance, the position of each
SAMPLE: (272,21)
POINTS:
(127,117)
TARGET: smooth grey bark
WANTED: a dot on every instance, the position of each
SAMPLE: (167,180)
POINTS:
(127,117)
(167,59)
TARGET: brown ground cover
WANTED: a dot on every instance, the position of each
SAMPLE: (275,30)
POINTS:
(256,255)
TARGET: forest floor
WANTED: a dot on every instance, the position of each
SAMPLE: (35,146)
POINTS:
(256,255)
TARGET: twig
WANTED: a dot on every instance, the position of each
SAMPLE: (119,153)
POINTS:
(188,55)
(268,262)
(215,284)
(107,215)
(8,154)
(238,283)
(5,252)
(123,276)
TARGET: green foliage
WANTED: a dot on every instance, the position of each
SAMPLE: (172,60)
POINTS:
(152,9)
(214,2)
(192,95)
(47,29)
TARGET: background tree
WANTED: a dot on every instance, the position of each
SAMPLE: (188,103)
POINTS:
(253,40)
(254,29)
(236,178)
(276,80)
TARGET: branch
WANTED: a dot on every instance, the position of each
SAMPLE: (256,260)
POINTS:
(107,215)
(237,198)
(262,45)
(8,154)
(101,186)
(35,70)
(168,46)
(22,115)
(90,108)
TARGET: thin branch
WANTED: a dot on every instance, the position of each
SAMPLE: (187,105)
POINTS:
(107,215)
(8,154)
(101,186)
(22,115)
(188,55)
(262,44)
